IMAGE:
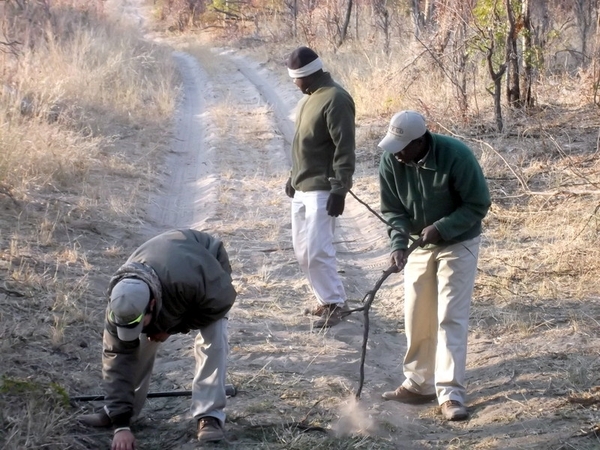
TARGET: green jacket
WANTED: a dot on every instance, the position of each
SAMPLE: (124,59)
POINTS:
(324,145)
(447,189)
(189,275)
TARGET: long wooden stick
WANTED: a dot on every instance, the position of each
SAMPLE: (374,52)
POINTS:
(365,309)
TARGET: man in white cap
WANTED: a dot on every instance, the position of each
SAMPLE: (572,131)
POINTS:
(323,162)
(432,187)
(177,281)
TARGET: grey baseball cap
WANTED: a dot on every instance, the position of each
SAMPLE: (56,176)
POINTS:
(405,127)
(129,300)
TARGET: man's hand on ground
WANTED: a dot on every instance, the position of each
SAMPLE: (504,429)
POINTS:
(123,440)
(158,337)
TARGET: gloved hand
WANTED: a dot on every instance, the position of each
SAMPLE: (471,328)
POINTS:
(335,204)
(289,190)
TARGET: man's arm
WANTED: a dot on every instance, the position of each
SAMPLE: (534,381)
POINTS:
(469,182)
(392,207)
(340,116)
(118,367)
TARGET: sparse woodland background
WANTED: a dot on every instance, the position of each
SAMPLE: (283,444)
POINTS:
(86,103)
(475,51)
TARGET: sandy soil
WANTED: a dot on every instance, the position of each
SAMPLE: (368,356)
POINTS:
(225,173)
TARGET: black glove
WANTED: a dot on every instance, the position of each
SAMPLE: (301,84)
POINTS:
(289,190)
(335,204)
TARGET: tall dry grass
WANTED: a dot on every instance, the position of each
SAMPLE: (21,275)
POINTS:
(85,107)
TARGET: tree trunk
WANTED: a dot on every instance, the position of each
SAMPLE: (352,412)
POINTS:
(528,56)
(295,18)
(429,11)
(497,79)
(585,11)
(513,92)
(344,30)
(417,17)
(382,21)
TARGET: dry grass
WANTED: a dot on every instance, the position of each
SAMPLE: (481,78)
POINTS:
(83,110)
(83,126)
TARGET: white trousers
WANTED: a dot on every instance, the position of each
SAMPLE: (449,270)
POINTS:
(438,286)
(211,349)
(312,238)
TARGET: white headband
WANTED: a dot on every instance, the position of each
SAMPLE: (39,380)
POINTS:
(306,70)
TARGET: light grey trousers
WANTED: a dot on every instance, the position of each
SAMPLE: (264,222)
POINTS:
(211,349)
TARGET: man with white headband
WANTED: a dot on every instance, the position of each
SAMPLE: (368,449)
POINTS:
(323,161)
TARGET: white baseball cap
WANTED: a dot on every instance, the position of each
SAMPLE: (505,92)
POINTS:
(405,127)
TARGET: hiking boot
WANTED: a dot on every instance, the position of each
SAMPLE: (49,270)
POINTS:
(210,429)
(98,420)
(315,310)
(332,314)
(403,395)
(454,410)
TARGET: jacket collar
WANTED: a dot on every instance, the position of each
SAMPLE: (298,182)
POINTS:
(323,80)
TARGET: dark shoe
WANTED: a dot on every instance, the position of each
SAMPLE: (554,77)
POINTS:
(453,410)
(315,310)
(403,395)
(98,420)
(210,430)
(332,314)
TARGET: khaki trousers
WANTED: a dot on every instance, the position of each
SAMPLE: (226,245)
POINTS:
(211,350)
(438,285)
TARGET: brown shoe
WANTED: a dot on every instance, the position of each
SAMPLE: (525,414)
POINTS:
(210,429)
(403,395)
(98,420)
(454,410)
(332,314)
(315,310)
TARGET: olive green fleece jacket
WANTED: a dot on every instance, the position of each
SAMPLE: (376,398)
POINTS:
(324,144)
(446,189)
(189,275)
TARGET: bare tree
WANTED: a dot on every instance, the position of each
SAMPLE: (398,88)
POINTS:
(450,50)
(528,55)
(585,13)
(496,76)
(429,11)
(417,17)
(382,22)
(346,23)
(513,91)
(487,40)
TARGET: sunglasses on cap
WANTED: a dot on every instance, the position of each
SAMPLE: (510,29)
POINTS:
(134,323)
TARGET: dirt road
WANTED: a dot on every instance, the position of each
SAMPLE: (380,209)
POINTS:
(224,173)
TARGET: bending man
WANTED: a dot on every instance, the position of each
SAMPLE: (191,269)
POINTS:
(177,281)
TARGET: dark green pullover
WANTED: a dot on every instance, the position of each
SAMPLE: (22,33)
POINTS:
(446,189)
(323,145)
